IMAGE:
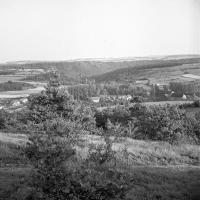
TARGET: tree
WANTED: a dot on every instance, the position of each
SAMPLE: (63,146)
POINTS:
(158,122)
(54,101)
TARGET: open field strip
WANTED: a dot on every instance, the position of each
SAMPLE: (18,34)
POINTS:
(21,93)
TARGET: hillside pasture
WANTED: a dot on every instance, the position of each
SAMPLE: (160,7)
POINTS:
(161,74)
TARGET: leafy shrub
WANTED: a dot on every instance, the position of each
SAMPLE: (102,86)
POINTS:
(158,122)
(119,114)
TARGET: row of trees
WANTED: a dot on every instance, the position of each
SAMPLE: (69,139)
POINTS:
(92,89)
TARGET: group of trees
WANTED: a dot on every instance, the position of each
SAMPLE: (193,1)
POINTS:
(91,89)
(189,88)
(84,91)
(162,123)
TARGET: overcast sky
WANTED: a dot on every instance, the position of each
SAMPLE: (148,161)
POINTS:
(69,29)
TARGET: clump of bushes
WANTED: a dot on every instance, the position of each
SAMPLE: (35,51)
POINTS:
(164,123)
(59,174)
(158,123)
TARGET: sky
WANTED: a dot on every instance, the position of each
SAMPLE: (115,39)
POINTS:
(73,29)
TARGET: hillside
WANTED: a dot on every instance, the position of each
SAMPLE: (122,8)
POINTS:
(104,67)
(72,69)
(159,70)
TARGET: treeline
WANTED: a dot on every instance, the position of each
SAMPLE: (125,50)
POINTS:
(93,89)
(14,86)
(164,123)
(190,88)
(7,72)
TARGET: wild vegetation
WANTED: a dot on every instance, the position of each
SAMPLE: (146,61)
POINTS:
(71,150)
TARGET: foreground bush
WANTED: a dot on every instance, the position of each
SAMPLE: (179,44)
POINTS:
(59,174)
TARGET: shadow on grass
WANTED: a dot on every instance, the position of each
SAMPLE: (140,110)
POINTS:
(148,183)
(165,183)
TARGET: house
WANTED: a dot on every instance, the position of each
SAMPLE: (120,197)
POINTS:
(25,100)
(16,103)
(143,81)
(95,99)
(184,97)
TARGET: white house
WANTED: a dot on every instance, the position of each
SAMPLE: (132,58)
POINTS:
(95,99)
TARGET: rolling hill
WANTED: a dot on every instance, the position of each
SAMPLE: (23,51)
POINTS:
(109,69)
(157,70)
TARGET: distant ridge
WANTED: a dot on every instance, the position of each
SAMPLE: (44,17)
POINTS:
(113,59)
(99,67)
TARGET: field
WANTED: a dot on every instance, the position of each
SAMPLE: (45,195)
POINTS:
(22,93)
(158,170)
(9,78)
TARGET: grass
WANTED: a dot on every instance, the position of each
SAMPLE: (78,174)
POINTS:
(165,183)
(151,153)
(190,112)
(12,178)
(158,171)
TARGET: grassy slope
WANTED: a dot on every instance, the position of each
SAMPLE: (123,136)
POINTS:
(159,170)
(156,70)
(151,153)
